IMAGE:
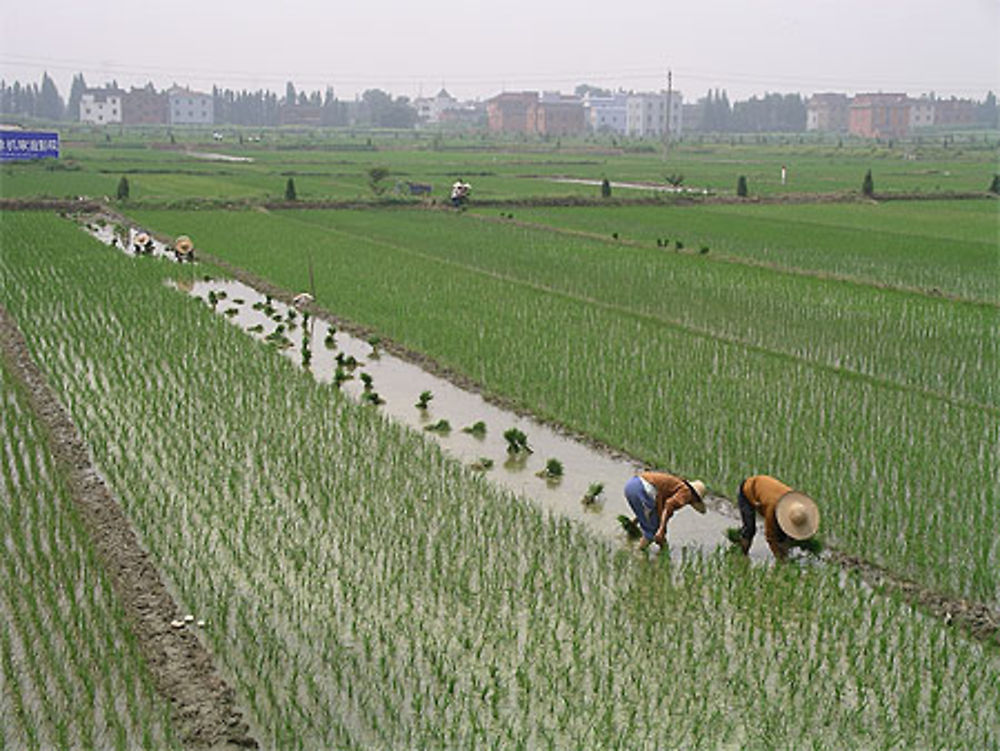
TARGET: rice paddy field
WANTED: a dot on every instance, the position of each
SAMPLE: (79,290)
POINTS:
(362,589)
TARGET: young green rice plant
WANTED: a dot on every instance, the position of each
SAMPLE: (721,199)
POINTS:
(372,397)
(517,441)
(424,399)
(442,427)
(553,470)
(630,526)
(477,429)
(354,615)
(330,340)
(340,375)
(374,342)
(593,494)
(367,380)
(482,464)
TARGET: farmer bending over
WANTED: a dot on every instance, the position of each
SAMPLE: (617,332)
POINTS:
(789,516)
(655,496)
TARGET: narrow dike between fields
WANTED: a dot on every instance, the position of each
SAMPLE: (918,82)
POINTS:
(203,706)
(398,376)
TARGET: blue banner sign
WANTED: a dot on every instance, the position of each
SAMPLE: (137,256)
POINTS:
(22,144)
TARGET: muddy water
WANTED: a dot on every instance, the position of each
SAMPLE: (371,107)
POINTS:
(400,383)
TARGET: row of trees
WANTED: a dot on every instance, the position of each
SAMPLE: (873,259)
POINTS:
(255,108)
(781,113)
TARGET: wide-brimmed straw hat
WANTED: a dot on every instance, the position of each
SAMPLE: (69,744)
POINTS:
(183,245)
(798,515)
(142,238)
(700,490)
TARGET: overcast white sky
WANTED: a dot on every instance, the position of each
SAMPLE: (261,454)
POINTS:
(477,48)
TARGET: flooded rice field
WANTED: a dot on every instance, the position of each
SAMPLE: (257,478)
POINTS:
(451,415)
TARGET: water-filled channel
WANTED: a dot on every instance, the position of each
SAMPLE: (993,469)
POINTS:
(399,385)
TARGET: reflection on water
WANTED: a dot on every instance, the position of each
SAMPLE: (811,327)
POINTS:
(399,385)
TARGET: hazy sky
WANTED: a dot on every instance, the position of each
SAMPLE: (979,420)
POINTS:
(477,49)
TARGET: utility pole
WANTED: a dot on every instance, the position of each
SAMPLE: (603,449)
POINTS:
(670,103)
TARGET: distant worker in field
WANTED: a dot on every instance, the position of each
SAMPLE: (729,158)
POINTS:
(784,174)
(460,193)
(656,496)
(790,517)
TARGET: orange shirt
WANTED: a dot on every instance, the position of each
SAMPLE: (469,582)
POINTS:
(763,492)
(672,493)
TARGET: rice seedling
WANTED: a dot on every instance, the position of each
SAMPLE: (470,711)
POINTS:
(553,470)
(424,400)
(593,494)
(442,426)
(477,429)
(482,464)
(517,441)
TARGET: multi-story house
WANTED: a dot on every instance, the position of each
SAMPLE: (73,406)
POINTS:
(144,106)
(101,106)
(188,107)
(879,115)
(827,113)
(652,115)
(606,114)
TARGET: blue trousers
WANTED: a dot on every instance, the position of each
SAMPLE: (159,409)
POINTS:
(642,506)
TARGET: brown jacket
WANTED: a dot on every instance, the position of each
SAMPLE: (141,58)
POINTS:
(672,494)
(763,492)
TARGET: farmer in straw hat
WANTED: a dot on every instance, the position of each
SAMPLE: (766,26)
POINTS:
(655,496)
(790,517)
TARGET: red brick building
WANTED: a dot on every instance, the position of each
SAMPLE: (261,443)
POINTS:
(508,112)
(526,112)
(879,115)
(556,115)
(952,112)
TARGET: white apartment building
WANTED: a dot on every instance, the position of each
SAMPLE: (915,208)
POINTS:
(606,114)
(429,109)
(101,106)
(186,107)
(646,114)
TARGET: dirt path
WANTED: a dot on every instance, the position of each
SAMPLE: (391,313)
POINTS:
(203,705)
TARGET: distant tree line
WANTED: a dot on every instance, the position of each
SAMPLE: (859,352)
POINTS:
(771,113)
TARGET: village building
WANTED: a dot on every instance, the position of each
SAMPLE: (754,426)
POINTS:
(879,115)
(144,106)
(431,109)
(556,114)
(654,115)
(955,113)
(606,114)
(827,113)
(101,106)
(188,107)
(508,112)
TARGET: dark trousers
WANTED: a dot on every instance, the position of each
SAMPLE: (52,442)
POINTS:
(748,514)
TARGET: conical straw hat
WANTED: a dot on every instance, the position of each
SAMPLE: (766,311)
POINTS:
(798,515)
(183,245)
(699,488)
(142,238)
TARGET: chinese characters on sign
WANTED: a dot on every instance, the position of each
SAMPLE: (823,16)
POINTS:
(21,144)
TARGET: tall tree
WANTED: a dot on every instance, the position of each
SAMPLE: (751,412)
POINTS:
(50,104)
(290,98)
(76,90)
